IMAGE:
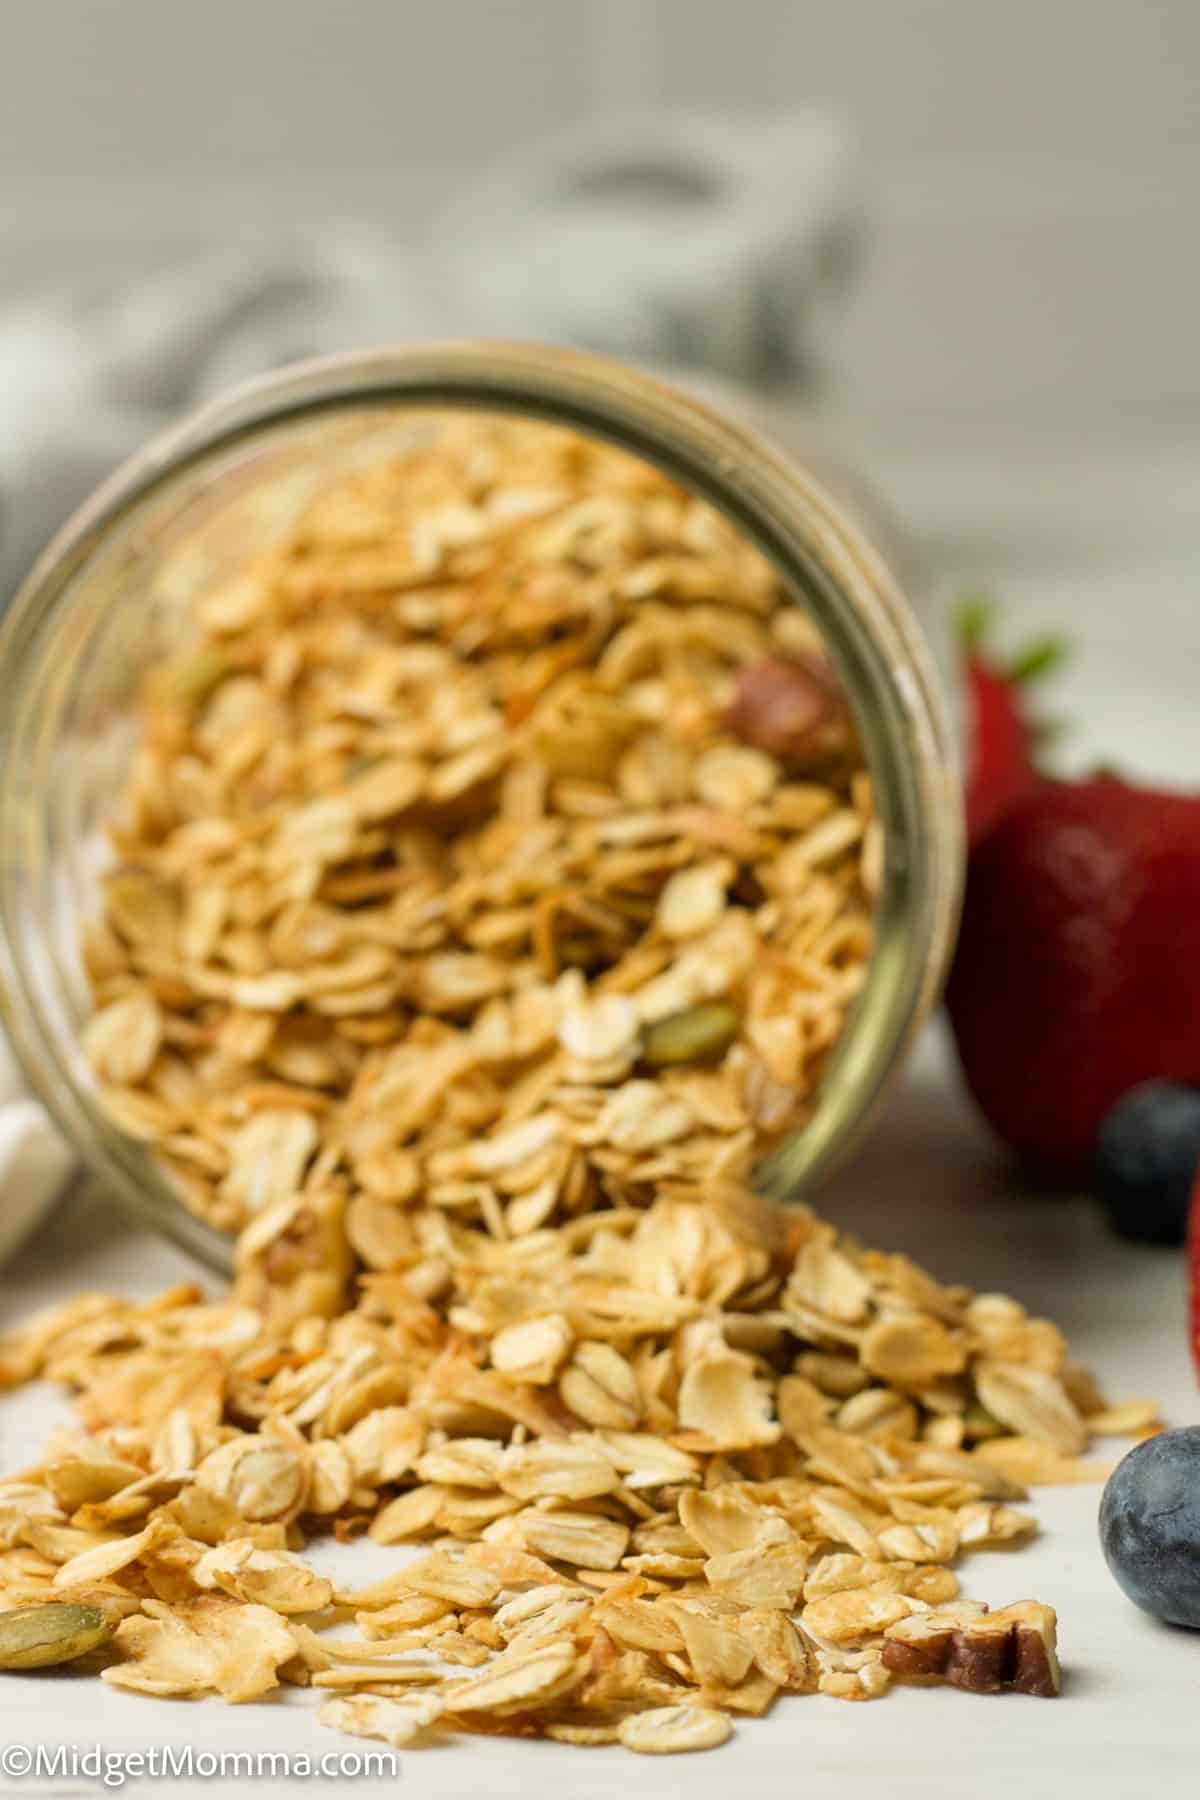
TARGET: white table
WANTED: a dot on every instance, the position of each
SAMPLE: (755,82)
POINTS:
(1086,540)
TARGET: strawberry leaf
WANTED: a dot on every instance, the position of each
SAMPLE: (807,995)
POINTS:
(974,617)
(1040,658)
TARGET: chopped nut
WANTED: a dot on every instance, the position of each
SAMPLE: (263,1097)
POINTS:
(794,710)
(978,1650)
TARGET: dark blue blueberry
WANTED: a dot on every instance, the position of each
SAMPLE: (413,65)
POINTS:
(1146,1159)
(1150,1526)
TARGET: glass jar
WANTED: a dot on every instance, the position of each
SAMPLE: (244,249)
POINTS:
(107,597)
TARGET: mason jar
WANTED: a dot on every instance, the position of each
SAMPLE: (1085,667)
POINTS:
(109,598)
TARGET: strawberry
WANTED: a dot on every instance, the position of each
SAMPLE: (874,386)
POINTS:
(1002,738)
(1000,771)
(1194,1271)
(1077,974)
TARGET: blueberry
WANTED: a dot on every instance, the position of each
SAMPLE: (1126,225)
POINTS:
(1146,1159)
(1150,1526)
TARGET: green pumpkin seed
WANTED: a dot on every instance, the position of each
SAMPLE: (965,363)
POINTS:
(189,680)
(695,1035)
(145,909)
(34,1637)
(979,1424)
(362,765)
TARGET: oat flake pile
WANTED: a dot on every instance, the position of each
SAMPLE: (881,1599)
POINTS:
(492,885)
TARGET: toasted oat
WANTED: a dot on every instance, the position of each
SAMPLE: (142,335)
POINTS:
(275,1578)
(209,1644)
(1136,1418)
(600,1387)
(666,1730)
(518,1677)
(1033,1404)
(396,1721)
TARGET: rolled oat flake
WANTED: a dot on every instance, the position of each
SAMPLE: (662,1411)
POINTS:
(36,1637)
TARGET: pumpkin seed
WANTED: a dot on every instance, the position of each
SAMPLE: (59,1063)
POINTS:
(695,1035)
(34,1637)
(979,1423)
(189,680)
(145,909)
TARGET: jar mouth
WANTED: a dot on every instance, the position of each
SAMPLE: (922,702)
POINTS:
(851,597)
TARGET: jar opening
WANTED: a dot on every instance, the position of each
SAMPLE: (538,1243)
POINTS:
(116,593)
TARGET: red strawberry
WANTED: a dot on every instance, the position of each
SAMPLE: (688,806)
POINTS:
(1002,739)
(1077,974)
(1194,1270)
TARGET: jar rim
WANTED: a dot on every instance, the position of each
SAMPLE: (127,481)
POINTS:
(865,621)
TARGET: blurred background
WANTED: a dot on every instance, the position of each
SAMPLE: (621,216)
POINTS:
(970,233)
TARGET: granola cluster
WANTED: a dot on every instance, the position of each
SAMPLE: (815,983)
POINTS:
(495,877)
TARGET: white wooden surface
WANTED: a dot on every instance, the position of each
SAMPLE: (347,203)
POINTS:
(1120,533)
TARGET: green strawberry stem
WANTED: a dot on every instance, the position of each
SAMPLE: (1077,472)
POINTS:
(1039,658)
(975,617)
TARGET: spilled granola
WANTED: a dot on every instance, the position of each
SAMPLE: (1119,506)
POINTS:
(664,1465)
(494,880)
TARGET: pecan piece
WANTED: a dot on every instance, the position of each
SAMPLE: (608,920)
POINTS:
(1037,1669)
(793,708)
(980,1651)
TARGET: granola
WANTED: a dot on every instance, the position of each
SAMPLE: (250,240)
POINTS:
(494,880)
(660,1517)
(450,874)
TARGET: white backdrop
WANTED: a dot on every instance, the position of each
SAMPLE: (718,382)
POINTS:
(1036,165)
